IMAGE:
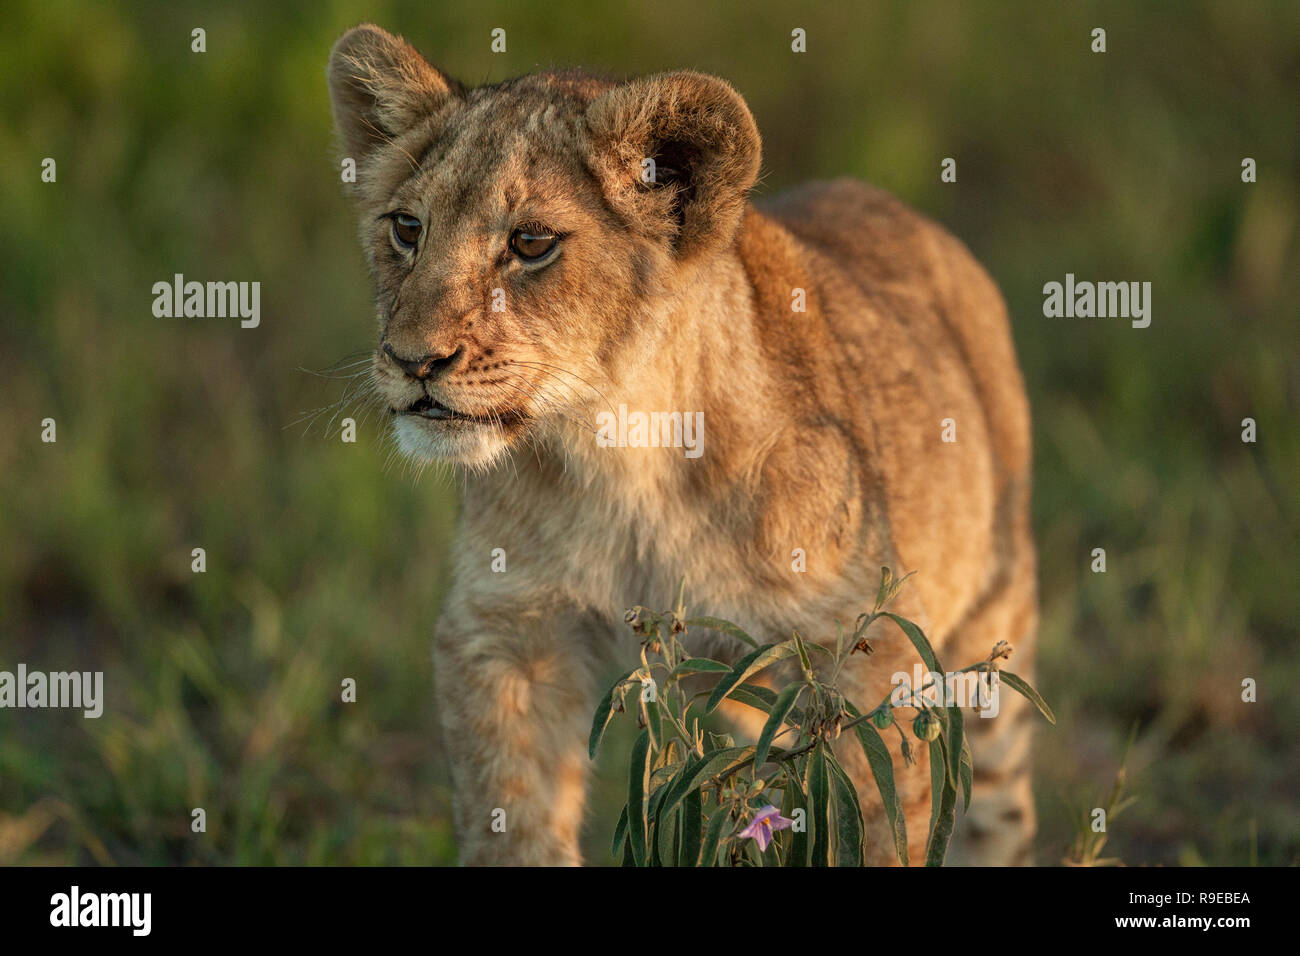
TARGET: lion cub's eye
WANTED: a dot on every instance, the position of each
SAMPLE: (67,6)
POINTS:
(532,244)
(406,230)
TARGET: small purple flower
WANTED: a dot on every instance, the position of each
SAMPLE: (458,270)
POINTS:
(767,820)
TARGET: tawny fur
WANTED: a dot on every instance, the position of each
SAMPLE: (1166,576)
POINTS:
(822,427)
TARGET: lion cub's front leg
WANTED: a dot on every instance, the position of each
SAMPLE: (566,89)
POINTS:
(515,707)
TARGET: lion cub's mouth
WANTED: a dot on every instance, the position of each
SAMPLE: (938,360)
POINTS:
(434,410)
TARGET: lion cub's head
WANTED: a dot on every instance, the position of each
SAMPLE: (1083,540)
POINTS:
(525,238)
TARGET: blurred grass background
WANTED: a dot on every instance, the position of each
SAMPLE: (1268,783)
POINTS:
(223,688)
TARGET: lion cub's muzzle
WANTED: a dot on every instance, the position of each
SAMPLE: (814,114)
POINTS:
(411,384)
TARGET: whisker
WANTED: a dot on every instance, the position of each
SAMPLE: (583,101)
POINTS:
(550,403)
(547,365)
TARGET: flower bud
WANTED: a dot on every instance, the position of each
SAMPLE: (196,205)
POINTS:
(1001,652)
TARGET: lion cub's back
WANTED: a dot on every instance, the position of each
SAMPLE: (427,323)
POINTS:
(926,280)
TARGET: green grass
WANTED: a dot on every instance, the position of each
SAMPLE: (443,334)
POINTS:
(223,688)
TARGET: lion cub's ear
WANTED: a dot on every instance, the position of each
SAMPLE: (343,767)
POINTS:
(380,87)
(705,147)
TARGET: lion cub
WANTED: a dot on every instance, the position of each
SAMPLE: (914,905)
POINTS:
(560,247)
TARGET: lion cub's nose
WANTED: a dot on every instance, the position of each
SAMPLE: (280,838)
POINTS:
(426,366)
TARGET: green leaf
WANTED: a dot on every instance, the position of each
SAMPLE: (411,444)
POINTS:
(803,651)
(848,816)
(780,710)
(885,577)
(620,832)
(956,744)
(663,838)
(637,785)
(699,665)
(819,806)
(691,826)
(919,641)
(604,713)
(677,838)
(1021,686)
(654,723)
(657,796)
(943,813)
(882,768)
(747,667)
(760,698)
(667,770)
(937,782)
(722,627)
(966,770)
(793,800)
(709,852)
(655,813)
(889,587)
